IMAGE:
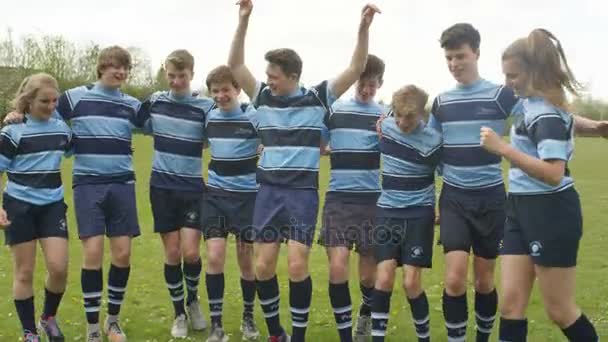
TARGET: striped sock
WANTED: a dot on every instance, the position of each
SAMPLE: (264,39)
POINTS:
(215,294)
(300,296)
(456,316)
(248,290)
(268,293)
(117,286)
(192,274)
(486,305)
(174,279)
(381,305)
(91,282)
(419,307)
(339,296)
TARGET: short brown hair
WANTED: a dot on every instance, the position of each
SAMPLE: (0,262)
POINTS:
(28,89)
(287,59)
(410,98)
(220,74)
(373,68)
(181,60)
(459,34)
(113,56)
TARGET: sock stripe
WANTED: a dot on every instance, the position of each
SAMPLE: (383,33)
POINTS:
(489,319)
(178,298)
(89,295)
(345,325)
(116,289)
(175,286)
(299,324)
(271,314)
(270,301)
(456,339)
(343,309)
(301,311)
(425,320)
(380,315)
(456,325)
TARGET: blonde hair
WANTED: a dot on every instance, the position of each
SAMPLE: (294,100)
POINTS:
(113,56)
(410,98)
(542,57)
(28,89)
(181,60)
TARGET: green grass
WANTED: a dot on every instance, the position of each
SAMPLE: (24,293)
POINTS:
(147,313)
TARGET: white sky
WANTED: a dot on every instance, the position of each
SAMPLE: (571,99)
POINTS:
(323,32)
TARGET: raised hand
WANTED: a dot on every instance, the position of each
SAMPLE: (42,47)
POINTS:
(245,8)
(367,14)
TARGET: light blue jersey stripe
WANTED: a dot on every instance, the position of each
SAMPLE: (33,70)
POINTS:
(177,165)
(102,164)
(241,183)
(290,157)
(402,199)
(35,196)
(355,180)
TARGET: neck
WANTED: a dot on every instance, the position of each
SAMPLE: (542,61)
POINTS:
(360,100)
(37,118)
(106,89)
(180,94)
(233,107)
(474,78)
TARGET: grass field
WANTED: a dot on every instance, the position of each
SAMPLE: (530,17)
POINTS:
(147,313)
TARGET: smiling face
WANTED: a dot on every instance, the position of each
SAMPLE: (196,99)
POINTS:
(113,66)
(462,63)
(225,95)
(366,88)
(114,76)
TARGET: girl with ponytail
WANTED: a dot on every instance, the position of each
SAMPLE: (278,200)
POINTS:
(544,221)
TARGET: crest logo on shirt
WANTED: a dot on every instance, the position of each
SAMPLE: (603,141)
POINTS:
(535,248)
(244,131)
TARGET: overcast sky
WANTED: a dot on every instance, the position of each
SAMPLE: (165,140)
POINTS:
(323,32)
